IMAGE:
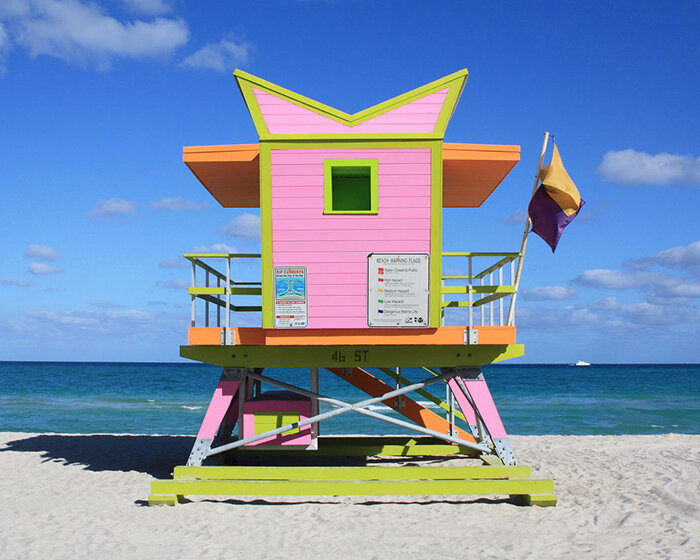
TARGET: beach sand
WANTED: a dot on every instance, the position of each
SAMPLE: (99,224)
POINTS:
(79,496)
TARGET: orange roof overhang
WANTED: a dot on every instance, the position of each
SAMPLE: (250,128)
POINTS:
(471,172)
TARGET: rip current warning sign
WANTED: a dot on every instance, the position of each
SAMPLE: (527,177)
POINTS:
(291,306)
(398,292)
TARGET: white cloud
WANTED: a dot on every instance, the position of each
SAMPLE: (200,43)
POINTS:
(629,167)
(174,263)
(172,284)
(245,225)
(111,208)
(178,204)
(148,7)
(663,284)
(517,217)
(43,269)
(41,252)
(79,32)
(223,56)
(684,257)
(15,282)
(95,321)
(549,293)
(214,248)
(4,46)
(107,305)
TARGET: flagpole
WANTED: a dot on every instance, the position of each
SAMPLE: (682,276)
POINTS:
(511,309)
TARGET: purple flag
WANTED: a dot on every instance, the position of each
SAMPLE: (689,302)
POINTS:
(548,219)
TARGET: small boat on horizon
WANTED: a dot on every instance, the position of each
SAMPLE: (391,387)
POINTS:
(581,363)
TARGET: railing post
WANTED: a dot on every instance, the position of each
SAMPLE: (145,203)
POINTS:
(206,302)
(471,298)
(218,307)
(491,303)
(512,283)
(194,285)
(500,301)
(481,307)
(227,334)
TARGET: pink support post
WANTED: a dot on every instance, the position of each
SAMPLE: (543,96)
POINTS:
(483,401)
(218,407)
(463,402)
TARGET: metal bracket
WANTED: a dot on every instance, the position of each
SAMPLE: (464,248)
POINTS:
(471,336)
(199,452)
(229,340)
(504,451)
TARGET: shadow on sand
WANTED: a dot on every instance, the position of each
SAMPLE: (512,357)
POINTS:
(154,455)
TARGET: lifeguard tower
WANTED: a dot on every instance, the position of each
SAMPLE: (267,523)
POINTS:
(351,284)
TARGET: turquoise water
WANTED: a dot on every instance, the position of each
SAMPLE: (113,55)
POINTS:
(161,398)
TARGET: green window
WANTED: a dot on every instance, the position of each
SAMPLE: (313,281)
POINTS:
(350,186)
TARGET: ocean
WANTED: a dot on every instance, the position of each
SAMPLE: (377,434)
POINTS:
(171,398)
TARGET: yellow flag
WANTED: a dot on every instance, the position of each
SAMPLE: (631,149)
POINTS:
(559,185)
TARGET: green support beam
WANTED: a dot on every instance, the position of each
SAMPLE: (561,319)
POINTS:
(352,356)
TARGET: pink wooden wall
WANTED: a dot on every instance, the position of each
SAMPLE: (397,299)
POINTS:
(284,117)
(334,247)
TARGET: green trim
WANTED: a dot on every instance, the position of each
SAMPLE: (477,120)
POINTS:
(476,472)
(502,289)
(266,237)
(346,142)
(455,83)
(435,234)
(352,356)
(417,136)
(448,107)
(352,487)
(253,107)
(195,256)
(222,291)
(328,166)
(366,446)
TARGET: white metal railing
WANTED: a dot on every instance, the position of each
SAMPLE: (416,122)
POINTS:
(480,289)
(220,295)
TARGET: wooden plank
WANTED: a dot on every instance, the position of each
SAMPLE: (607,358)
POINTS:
(162,500)
(351,488)
(351,473)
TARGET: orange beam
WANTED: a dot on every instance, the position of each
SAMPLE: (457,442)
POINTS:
(374,387)
(254,336)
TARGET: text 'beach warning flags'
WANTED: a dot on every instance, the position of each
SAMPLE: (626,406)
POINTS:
(555,203)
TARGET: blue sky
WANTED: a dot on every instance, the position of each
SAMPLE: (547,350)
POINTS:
(98,98)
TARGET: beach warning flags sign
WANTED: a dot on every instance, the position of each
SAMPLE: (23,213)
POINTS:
(555,203)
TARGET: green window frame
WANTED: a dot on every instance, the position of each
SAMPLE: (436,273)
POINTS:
(350,186)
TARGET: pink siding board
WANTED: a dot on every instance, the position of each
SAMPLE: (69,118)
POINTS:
(334,248)
(359,235)
(335,290)
(332,323)
(337,311)
(316,224)
(389,156)
(346,245)
(306,213)
(288,190)
(309,169)
(284,117)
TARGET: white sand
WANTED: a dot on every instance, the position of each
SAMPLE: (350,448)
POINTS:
(72,496)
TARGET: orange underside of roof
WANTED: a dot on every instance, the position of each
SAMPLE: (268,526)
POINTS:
(471,172)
